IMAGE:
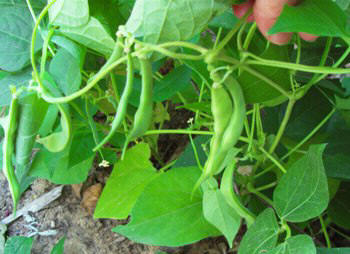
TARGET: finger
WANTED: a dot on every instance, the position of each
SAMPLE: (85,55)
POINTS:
(266,13)
(241,9)
(308,37)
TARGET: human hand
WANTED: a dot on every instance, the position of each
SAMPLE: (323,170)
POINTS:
(266,13)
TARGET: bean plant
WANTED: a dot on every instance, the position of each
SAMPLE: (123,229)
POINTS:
(267,158)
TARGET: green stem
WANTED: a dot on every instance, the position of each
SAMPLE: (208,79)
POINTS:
(251,189)
(266,187)
(283,126)
(279,165)
(234,30)
(325,233)
(44,51)
(296,67)
(301,143)
(250,36)
(34,34)
(195,152)
(286,227)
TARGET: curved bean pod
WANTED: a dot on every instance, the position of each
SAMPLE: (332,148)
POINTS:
(123,104)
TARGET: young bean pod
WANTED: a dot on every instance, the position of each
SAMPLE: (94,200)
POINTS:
(143,116)
(10,125)
(223,141)
(227,190)
(123,104)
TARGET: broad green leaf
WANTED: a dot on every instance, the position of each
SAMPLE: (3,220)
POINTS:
(59,247)
(92,35)
(295,245)
(17,79)
(71,166)
(342,103)
(344,4)
(256,90)
(166,213)
(319,17)
(167,20)
(346,85)
(187,158)
(127,181)
(16,26)
(337,153)
(225,20)
(174,82)
(70,13)
(75,50)
(18,245)
(220,214)
(262,235)
(302,192)
(339,207)
(333,251)
(32,111)
(65,69)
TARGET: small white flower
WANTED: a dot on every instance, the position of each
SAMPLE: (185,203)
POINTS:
(104,164)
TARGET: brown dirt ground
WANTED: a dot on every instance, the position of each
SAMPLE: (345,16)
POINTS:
(84,234)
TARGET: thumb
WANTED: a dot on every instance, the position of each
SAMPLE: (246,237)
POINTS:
(266,13)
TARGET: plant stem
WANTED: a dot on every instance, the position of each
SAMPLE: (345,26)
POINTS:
(325,233)
(267,186)
(251,189)
(296,67)
(268,155)
(234,30)
(283,126)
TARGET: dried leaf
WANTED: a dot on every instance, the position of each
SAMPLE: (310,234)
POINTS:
(90,197)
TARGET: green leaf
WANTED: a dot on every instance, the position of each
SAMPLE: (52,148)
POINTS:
(70,166)
(75,50)
(65,69)
(187,158)
(339,208)
(71,13)
(176,81)
(302,192)
(256,90)
(262,235)
(342,103)
(16,26)
(166,20)
(344,4)
(127,181)
(166,214)
(337,154)
(18,245)
(17,79)
(295,245)
(333,251)
(318,17)
(92,35)
(218,212)
(59,247)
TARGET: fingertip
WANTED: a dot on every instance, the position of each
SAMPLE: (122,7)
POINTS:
(308,37)
(241,9)
(280,38)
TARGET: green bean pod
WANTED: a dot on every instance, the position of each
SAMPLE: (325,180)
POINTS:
(231,198)
(116,53)
(123,104)
(143,116)
(223,141)
(10,125)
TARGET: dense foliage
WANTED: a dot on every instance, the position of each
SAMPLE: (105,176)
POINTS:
(84,81)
